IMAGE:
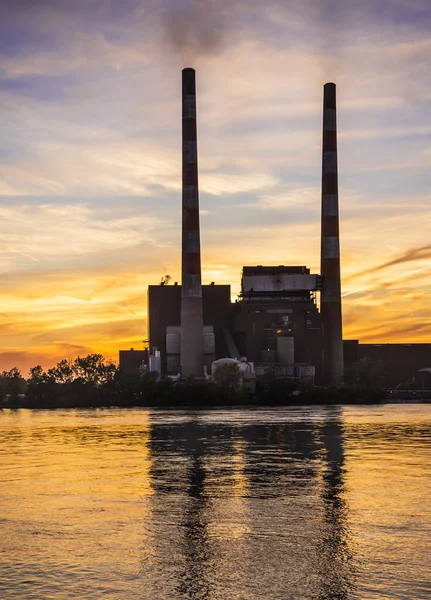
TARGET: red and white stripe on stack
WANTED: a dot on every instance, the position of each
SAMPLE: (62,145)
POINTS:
(330,300)
(192,337)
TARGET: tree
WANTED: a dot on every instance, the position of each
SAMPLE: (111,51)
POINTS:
(63,372)
(12,384)
(93,369)
(148,386)
(14,373)
(228,378)
(37,376)
(366,374)
(41,388)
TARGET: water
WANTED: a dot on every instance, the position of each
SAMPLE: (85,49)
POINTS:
(291,503)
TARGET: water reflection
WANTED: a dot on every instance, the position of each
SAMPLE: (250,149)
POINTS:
(194,579)
(310,503)
(337,580)
(258,507)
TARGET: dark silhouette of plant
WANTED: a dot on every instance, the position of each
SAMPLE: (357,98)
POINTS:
(93,369)
(12,384)
(366,375)
(228,379)
(63,372)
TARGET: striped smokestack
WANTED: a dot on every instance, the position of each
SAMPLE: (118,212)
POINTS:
(192,337)
(330,300)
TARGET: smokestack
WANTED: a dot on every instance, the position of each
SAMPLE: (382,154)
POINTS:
(330,299)
(192,336)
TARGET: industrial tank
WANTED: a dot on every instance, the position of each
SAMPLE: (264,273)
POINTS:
(224,361)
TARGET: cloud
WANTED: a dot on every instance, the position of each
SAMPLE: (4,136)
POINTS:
(304,200)
(219,184)
(414,255)
(46,236)
(90,157)
(112,169)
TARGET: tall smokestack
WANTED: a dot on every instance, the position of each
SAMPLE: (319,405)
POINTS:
(192,337)
(330,299)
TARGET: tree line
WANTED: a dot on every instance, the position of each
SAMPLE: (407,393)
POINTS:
(93,381)
(85,381)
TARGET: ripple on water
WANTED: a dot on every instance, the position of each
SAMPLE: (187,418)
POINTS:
(301,502)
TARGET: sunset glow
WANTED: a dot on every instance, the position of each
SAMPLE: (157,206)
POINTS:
(90,160)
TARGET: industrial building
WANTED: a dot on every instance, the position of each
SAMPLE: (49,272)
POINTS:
(132,360)
(275,324)
(164,324)
(405,366)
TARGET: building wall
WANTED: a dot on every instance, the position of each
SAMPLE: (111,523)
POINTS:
(350,352)
(164,310)
(131,360)
(401,361)
(255,323)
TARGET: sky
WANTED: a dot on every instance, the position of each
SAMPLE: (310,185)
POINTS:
(90,159)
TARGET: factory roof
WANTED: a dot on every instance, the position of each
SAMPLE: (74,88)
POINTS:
(261,270)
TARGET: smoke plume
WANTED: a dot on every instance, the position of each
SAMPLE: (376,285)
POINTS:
(195,27)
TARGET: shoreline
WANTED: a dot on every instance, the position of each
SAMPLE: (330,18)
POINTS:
(217,406)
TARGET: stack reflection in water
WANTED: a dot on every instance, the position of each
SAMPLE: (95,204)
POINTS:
(313,502)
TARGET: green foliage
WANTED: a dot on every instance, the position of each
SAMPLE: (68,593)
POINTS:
(228,378)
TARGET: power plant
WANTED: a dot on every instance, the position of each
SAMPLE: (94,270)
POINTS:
(275,325)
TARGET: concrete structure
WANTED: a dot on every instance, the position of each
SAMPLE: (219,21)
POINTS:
(164,323)
(276,323)
(192,338)
(272,325)
(173,348)
(155,363)
(276,318)
(330,299)
(132,360)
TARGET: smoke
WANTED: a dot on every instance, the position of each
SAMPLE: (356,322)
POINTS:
(196,27)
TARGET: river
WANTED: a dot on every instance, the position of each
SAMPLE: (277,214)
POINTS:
(296,503)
